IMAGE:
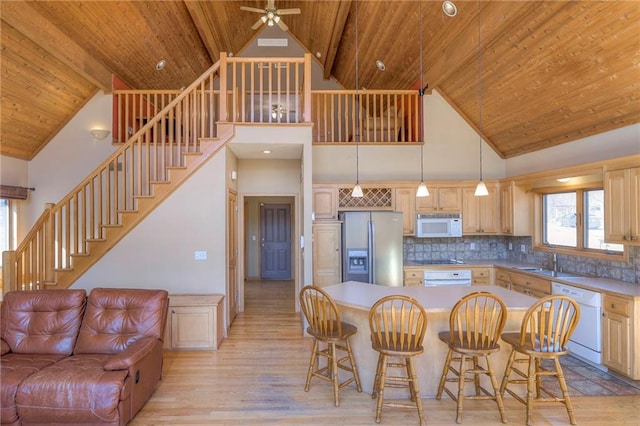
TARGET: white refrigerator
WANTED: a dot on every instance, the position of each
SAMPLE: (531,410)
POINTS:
(372,247)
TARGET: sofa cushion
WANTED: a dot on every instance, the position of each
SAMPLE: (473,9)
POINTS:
(115,318)
(14,369)
(74,390)
(42,321)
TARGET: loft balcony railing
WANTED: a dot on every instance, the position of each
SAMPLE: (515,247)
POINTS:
(157,129)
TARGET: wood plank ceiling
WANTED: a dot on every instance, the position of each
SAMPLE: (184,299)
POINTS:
(552,71)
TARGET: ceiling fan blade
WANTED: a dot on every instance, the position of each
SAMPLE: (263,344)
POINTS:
(271,4)
(251,9)
(257,24)
(283,26)
(293,11)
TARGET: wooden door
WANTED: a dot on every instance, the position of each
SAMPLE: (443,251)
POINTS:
(275,230)
(232,255)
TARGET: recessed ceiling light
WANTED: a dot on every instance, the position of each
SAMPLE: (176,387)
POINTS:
(161,64)
(381,66)
(563,180)
(266,151)
(449,8)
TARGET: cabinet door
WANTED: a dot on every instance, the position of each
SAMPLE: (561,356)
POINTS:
(192,327)
(616,205)
(506,209)
(634,204)
(470,212)
(428,204)
(488,210)
(450,199)
(327,254)
(406,204)
(325,203)
(616,335)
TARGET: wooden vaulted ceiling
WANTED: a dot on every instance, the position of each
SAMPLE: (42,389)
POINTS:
(551,71)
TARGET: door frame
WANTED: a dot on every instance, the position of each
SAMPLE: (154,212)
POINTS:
(296,250)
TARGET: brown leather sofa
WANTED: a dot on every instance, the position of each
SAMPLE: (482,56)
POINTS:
(67,358)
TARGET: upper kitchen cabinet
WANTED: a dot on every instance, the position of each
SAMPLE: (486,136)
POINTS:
(480,215)
(515,210)
(325,202)
(442,199)
(405,202)
(622,206)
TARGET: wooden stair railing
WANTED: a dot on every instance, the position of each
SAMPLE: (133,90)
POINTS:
(75,233)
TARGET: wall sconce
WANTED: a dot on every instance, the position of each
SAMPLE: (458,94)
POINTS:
(100,134)
(234,175)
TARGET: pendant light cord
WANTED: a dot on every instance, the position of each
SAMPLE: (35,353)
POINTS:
(421,93)
(357,100)
(480,89)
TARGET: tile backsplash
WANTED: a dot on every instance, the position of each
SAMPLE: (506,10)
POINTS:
(498,247)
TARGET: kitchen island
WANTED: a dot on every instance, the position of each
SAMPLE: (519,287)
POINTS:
(354,299)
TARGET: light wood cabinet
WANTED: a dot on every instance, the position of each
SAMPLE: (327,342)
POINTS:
(195,321)
(327,253)
(619,341)
(413,277)
(503,279)
(536,287)
(480,215)
(481,276)
(441,199)
(325,202)
(405,202)
(622,206)
(515,210)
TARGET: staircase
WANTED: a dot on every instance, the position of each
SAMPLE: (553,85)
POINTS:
(75,233)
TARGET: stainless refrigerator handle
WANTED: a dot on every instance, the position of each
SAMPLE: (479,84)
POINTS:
(372,261)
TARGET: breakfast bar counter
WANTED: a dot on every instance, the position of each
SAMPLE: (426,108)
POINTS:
(354,299)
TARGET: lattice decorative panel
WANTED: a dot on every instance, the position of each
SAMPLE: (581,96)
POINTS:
(372,197)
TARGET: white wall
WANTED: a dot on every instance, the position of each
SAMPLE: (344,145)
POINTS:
(615,143)
(13,171)
(451,151)
(70,156)
(159,253)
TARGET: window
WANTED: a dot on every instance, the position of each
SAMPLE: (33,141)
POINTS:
(575,219)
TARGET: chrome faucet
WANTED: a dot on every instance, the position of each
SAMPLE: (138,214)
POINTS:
(554,258)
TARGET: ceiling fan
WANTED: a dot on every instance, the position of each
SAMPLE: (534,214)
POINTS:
(271,15)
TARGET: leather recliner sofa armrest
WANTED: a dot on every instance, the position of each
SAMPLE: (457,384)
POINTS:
(133,354)
(5,349)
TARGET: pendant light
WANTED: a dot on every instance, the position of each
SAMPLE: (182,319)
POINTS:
(357,189)
(422,191)
(481,189)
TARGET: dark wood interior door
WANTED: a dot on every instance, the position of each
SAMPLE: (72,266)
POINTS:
(275,231)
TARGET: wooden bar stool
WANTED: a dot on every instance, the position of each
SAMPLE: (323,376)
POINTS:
(398,325)
(545,332)
(325,326)
(475,324)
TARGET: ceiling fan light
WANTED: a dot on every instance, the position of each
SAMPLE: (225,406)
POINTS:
(270,14)
(270,22)
(357,191)
(422,191)
(276,19)
(481,190)
(263,18)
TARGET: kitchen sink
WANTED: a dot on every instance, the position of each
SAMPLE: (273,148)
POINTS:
(547,272)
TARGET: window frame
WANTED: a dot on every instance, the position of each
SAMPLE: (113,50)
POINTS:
(579,250)
(12,226)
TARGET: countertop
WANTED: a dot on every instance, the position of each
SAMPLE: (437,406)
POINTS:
(590,283)
(434,299)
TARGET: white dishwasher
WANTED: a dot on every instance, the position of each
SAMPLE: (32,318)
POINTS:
(586,341)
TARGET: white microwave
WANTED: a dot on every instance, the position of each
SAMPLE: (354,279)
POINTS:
(439,225)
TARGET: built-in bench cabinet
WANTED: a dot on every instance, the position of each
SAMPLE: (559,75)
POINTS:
(621,343)
(194,322)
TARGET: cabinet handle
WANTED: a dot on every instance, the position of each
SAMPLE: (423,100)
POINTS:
(173,312)
(613,306)
(632,238)
(604,315)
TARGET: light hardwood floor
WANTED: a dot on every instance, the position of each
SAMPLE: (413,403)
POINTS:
(257,378)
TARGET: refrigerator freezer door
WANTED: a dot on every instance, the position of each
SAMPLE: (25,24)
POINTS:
(355,246)
(387,248)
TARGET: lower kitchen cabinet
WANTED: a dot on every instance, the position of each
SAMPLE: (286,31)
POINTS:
(620,344)
(536,287)
(413,277)
(195,321)
(503,279)
(481,276)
